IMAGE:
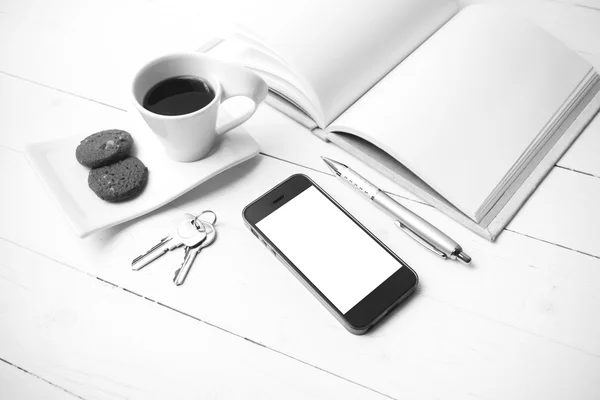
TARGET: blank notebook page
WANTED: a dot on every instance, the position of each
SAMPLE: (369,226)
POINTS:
(461,110)
(343,47)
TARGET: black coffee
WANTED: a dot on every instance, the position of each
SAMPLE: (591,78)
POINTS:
(178,95)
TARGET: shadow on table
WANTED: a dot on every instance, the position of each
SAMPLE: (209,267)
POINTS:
(388,320)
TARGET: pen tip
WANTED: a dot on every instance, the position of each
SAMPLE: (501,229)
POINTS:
(330,164)
(462,256)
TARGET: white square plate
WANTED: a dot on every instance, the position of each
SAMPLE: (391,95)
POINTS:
(66,179)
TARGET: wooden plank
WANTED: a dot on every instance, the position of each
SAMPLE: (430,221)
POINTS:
(524,282)
(60,114)
(93,62)
(283,138)
(88,50)
(101,342)
(34,113)
(43,25)
(570,219)
(15,383)
(539,338)
(28,197)
(248,292)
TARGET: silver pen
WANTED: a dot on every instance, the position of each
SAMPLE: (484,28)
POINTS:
(414,226)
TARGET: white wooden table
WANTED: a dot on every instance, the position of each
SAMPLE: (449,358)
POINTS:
(75,322)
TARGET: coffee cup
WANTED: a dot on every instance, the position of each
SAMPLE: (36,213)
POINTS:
(179,96)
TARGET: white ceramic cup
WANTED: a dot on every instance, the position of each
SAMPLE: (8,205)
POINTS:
(190,137)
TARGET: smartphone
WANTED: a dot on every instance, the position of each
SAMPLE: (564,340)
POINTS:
(347,268)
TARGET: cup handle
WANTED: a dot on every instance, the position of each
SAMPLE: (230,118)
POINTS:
(239,81)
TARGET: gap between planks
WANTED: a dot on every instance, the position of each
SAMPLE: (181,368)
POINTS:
(40,378)
(130,292)
(295,163)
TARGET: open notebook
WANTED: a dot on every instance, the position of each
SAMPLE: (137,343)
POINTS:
(466,109)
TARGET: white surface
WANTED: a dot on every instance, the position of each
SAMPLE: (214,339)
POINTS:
(101,343)
(19,384)
(494,93)
(66,179)
(322,46)
(520,323)
(341,260)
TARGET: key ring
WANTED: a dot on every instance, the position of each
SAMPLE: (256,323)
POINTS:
(197,219)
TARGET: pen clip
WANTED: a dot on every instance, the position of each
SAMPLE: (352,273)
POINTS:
(420,239)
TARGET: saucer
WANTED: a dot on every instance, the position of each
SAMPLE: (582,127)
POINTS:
(66,179)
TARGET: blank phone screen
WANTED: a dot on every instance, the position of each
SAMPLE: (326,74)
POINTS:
(333,252)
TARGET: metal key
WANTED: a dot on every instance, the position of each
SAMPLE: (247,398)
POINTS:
(191,253)
(186,233)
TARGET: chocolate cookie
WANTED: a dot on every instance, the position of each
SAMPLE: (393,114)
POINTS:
(103,148)
(120,181)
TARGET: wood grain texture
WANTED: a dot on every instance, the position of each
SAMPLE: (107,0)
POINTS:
(114,55)
(519,323)
(101,342)
(457,311)
(570,219)
(16,383)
